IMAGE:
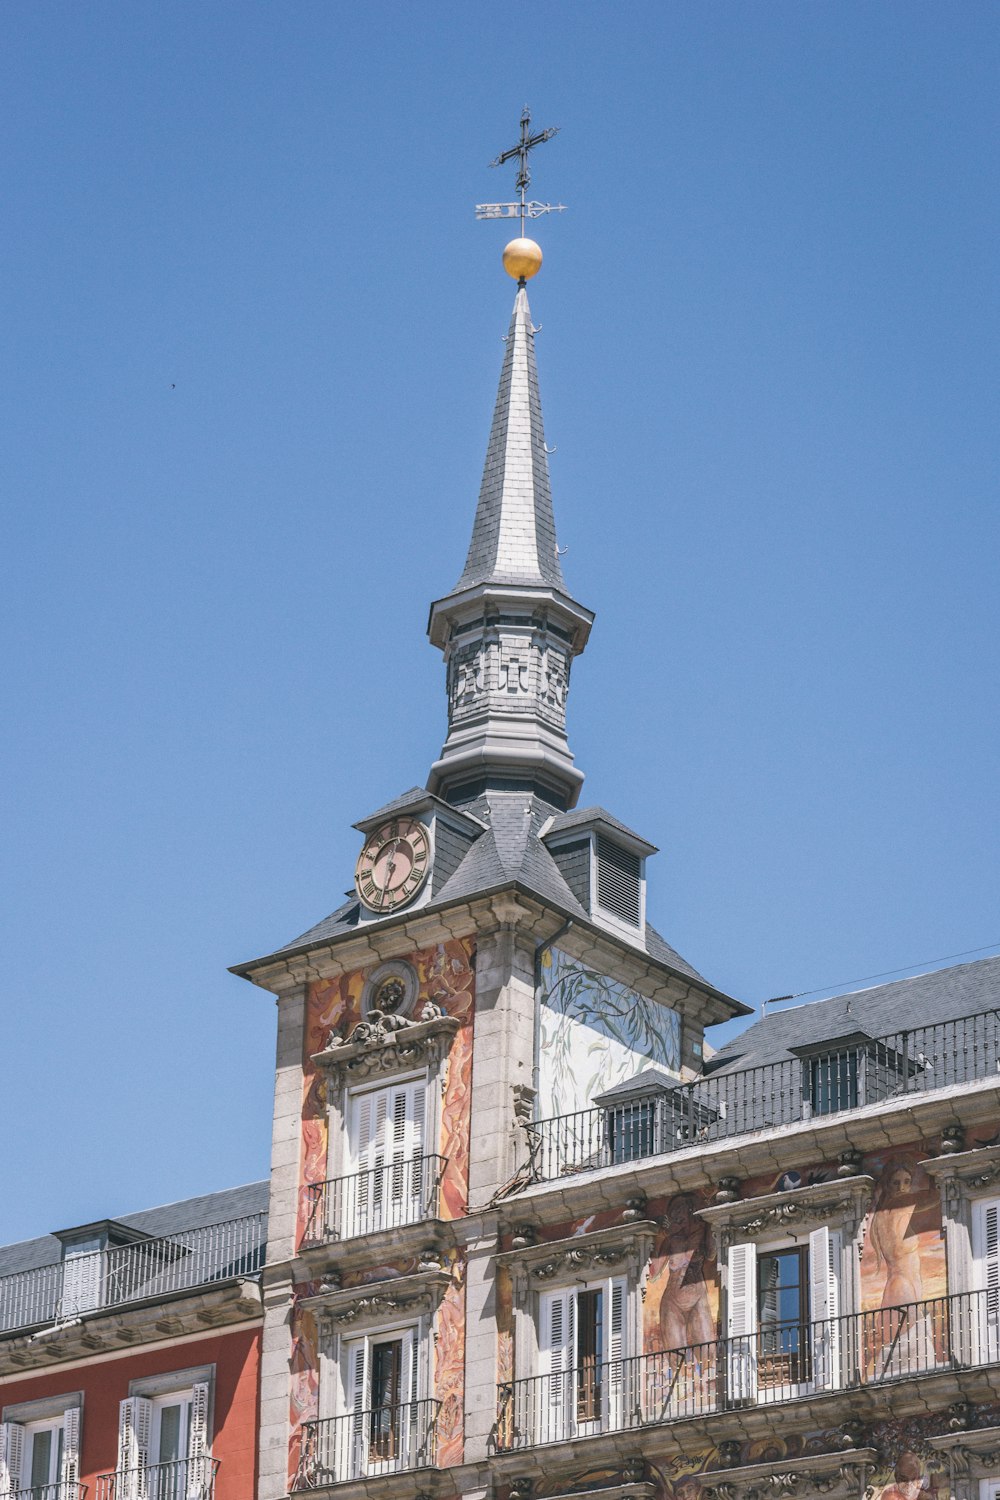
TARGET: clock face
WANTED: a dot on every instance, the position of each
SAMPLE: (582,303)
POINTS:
(393,865)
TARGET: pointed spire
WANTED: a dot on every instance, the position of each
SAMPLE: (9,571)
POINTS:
(514,534)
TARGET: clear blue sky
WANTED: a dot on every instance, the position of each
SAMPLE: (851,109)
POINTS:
(252,337)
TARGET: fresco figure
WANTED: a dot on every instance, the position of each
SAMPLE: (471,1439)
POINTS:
(685,1311)
(908,1480)
(905,1340)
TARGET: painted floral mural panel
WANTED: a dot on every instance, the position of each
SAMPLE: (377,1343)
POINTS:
(596,1032)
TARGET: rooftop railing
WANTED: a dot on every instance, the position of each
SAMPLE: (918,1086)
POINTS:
(823,1080)
(362,1444)
(780,1363)
(183,1479)
(386,1197)
(132,1273)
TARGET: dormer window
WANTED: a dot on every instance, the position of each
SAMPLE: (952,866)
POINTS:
(854,1070)
(619,881)
(604,865)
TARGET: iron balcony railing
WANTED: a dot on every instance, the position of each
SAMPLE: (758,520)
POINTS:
(386,1197)
(362,1444)
(131,1273)
(781,1362)
(183,1479)
(56,1491)
(825,1080)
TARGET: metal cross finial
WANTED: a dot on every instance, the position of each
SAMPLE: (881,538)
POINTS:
(523,209)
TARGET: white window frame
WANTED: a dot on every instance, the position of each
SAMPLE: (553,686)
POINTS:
(557,1413)
(346,1455)
(22,1421)
(365,1205)
(985,1278)
(139,1428)
(989,1489)
(825,1282)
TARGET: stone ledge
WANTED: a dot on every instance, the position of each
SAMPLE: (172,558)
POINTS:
(843,1474)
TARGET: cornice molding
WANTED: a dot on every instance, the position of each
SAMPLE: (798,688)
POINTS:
(838,1476)
(388,1043)
(965,1174)
(971,1455)
(623,1248)
(337,1308)
(841,1203)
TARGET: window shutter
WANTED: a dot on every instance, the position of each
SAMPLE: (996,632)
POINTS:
(986,1252)
(71,1450)
(11,1457)
(558,1319)
(82,1274)
(619,881)
(357,1399)
(824,1307)
(362,1153)
(617,1353)
(199,1464)
(135,1419)
(742,1322)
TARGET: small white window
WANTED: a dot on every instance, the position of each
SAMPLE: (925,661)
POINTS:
(383,1426)
(163,1444)
(387,1178)
(582,1346)
(986,1277)
(783,1328)
(41,1453)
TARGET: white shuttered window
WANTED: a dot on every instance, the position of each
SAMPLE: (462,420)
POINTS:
(986,1272)
(386,1143)
(583,1346)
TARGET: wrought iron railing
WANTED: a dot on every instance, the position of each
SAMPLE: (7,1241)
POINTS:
(361,1444)
(779,1363)
(56,1491)
(386,1197)
(184,1479)
(132,1273)
(850,1073)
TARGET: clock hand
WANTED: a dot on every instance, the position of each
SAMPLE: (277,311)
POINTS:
(389,868)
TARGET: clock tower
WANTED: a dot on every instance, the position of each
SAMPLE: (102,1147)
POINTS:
(492,971)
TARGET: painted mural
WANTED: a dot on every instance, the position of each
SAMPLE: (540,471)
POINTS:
(445,976)
(595,1032)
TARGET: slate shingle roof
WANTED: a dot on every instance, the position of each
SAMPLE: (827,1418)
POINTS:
(170,1218)
(943,995)
(584,816)
(514,533)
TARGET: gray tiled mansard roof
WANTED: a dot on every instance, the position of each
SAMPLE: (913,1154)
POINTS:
(943,995)
(170,1218)
(514,533)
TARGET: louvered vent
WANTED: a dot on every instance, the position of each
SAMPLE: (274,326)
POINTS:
(619,881)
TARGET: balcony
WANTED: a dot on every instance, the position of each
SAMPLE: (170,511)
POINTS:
(184,1479)
(385,1198)
(777,1365)
(366,1444)
(145,1270)
(820,1081)
(56,1491)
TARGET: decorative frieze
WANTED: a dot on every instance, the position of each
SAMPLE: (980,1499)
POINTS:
(972,1456)
(338,1308)
(965,1174)
(838,1476)
(387,1043)
(624,1249)
(841,1203)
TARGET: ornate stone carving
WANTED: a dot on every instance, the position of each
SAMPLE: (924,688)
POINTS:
(520,1488)
(524,1103)
(374,1301)
(556,678)
(964,1175)
(952,1140)
(841,1476)
(972,1455)
(387,1043)
(728,1190)
(635,1209)
(624,1248)
(850,1163)
(514,654)
(841,1203)
(523,1236)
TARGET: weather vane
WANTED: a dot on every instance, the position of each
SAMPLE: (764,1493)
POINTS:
(522,257)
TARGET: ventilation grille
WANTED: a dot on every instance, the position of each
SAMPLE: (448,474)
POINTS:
(619,881)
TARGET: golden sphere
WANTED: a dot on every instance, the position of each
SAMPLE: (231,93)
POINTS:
(522,259)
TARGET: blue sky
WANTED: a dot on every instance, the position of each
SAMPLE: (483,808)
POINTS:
(252,337)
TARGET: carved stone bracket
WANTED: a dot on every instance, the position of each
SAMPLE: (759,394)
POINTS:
(389,1044)
(841,1203)
(838,1476)
(965,1174)
(971,1455)
(372,1302)
(624,1249)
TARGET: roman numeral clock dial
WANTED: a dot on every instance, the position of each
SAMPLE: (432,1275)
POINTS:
(393,865)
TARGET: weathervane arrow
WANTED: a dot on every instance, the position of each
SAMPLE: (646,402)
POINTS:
(522,209)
